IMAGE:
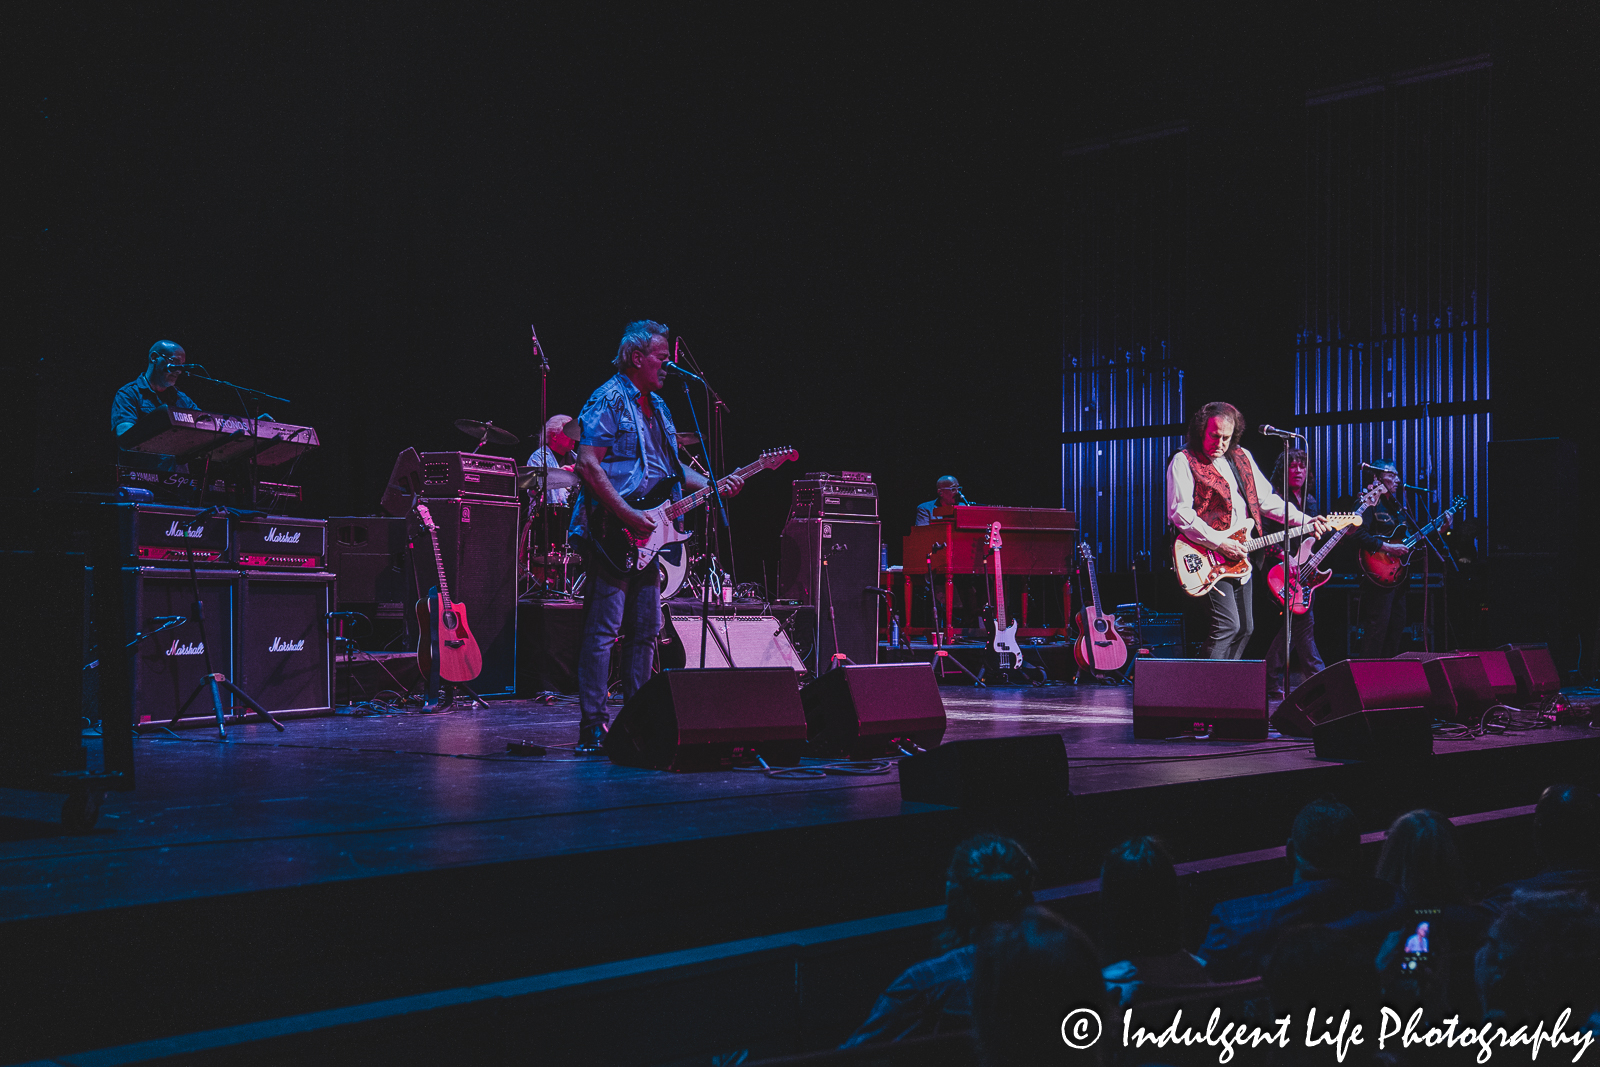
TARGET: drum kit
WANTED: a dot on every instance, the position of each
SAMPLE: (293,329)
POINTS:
(549,566)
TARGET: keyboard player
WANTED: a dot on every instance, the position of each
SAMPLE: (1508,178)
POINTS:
(156,388)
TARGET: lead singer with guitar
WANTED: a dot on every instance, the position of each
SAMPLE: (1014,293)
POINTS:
(1214,487)
(626,451)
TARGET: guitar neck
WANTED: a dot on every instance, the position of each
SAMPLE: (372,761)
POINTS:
(699,496)
(1271,539)
(1094,583)
(999,593)
(1322,553)
(438,561)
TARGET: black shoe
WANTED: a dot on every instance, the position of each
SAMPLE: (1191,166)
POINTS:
(589,739)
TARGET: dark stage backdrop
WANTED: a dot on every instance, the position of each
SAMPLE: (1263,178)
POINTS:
(854,216)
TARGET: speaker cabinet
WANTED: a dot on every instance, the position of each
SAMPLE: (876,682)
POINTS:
(281,643)
(1351,686)
(752,641)
(478,544)
(990,772)
(1171,695)
(830,564)
(685,720)
(369,554)
(1497,667)
(862,710)
(1535,671)
(169,666)
(1376,735)
(1459,684)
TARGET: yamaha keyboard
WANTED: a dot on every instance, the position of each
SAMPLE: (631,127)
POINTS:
(196,435)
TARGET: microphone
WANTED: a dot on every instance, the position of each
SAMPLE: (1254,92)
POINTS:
(1403,485)
(1273,431)
(544,364)
(672,368)
(170,618)
(963,497)
(877,590)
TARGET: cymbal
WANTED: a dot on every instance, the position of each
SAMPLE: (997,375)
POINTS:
(528,478)
(476,431)
(687,439)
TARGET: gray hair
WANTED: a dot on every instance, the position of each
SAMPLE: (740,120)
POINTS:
(636,338)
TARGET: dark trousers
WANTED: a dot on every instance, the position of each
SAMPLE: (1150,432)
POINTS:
(1232,620)
(1383,616)
(1305,661)
(626,608)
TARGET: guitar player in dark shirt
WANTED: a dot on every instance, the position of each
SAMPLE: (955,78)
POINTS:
(1383,608)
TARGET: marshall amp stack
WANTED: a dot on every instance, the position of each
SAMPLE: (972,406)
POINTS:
(265,593)
(828,560)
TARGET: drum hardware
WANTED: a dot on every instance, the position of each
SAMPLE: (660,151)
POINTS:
(554,478)
(485,432)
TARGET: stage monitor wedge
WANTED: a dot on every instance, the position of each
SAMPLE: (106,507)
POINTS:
(1352,686)
(1171,695)
(685,720)
(991,772)
(862,710)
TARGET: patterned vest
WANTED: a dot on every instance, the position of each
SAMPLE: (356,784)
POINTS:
(1213,501)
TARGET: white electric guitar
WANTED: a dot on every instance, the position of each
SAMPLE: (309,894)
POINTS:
(1004,639)
(1199,567)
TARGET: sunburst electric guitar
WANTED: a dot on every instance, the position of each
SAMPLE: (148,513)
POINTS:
(1100,648)
(443,623)
(1385,570)
(623,553)
(1199,567)
(1003,641)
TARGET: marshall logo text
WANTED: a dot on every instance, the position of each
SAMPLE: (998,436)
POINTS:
(283,537)
(194,648)
(280,645)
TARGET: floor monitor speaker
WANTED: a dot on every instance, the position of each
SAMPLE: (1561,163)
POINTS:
(1459,684)
(989,772)
(685,720)
(1351,686)
(281,643)
(1376,735)
(862,710)
(1535,671)
(1171,695)
(1497,666)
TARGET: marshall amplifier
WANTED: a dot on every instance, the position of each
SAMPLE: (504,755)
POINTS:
(279,543)
(281,648)
(468,474)
(168,536)
(845,494)
(170,665)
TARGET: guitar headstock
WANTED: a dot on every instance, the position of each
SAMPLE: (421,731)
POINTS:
(1456,505)
(1083,551)
(772,458)
(991,537)
(1370,495)
(427,519)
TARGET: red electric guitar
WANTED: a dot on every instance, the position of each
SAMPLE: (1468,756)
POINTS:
(1100,648)
(444,624)
(1309,575)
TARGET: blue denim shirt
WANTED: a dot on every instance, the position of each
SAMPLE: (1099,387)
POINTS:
(635,462)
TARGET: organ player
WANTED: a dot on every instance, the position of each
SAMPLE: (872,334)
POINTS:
(1213,485)
(156,388)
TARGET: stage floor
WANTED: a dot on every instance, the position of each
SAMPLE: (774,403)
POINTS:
(349,797)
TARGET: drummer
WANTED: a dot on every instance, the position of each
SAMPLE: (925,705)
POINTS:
(558,451)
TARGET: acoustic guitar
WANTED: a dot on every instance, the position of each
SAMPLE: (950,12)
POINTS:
(443,624)
(1100,648)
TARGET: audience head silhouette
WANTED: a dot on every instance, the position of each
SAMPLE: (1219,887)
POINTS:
(1027,976)
(1543,954)
(1139,900)
(1421,859)
(990,879)
(1324,841)
(1566,828)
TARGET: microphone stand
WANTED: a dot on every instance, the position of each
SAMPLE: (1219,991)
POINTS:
(713,527)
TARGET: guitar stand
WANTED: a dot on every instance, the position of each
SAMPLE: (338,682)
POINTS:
(1023,668)
(940,670)
(446,699)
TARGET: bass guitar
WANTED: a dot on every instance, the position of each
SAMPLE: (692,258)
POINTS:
(1309,575)
(1199,567)
(1100,648)
(1003,639)
(443,624)
(1385,570)
(622,553)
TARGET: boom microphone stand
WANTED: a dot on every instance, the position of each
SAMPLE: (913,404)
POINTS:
(716,518)
(251,413)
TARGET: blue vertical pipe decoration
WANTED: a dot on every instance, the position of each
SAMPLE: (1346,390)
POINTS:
(1121,375)
(1392,359)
